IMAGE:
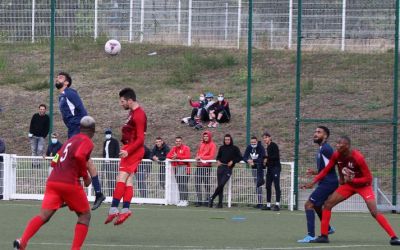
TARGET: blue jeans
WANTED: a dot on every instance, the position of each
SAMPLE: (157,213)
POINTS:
(37,145)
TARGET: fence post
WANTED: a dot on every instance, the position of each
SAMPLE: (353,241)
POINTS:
(168,185)
(96,5)
(33,20)
(190,24)
(9,176)
(130,20)
(272,33)
(239,22)
(226,21)
(141,21)
(230,191)
(292,200)
(290,24)
(343,24)
(179,17)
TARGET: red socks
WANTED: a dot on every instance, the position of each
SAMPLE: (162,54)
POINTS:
(128,194)
(33,226)
(326,217)
(119,190)
(81,231)
(385,225)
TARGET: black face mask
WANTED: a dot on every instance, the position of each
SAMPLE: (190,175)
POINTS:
(59,85)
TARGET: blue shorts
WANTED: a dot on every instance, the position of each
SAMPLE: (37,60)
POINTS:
(321,194)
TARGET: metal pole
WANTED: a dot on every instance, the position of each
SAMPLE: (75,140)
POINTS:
(290,24)
(141,21)
(33,20)
(272,33)
(343,24)
(179,17)
(395,104)
(190,24)
(297,122)
(226,21)
(249,67)
(51,81)
(96,6)
(130,21)
(239,22)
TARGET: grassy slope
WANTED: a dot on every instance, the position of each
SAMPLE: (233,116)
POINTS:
(333,85)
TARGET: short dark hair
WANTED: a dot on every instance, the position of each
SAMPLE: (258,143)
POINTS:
(43,105)
(326,130)
(67,76)
(267,134)
(178,137)
(253,137)
(128,93)
(158,138)
(346,138)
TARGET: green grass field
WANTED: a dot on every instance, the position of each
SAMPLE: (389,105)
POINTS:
(169,227)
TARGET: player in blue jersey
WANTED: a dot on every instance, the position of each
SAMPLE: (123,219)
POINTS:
(325,188)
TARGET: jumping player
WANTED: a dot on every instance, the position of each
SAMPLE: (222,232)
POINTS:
(355,178)
(63,186)
(72,110)
(325,187)
(131,154)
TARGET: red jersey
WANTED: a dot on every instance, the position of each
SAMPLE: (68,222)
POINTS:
(70,163)
(355,162)
(182,153)
(133,130)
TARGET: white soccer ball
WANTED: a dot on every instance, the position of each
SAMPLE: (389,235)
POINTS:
(112,47)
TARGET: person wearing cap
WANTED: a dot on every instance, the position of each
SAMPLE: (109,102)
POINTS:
(110,151)
(55,145)
(273,164)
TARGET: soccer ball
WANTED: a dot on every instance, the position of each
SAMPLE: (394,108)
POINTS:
(112,47)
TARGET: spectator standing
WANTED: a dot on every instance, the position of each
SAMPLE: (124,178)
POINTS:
(181,169)
(2,151)
(143,172)
(54,146)
(254,156)
(219,112)
(72,111)
(159,154)
(207,150)
(228,155)
(110,168)
(38,131)
(273,164)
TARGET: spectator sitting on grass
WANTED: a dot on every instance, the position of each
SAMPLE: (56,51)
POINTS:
(199,111)
(219,112)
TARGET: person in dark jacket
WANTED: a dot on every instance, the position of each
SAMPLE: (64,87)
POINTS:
(55,145)
(219,112)
(38,131)
(228,155)
(143,172)
(273,164)
(254,156)
(159,154)
(110,168)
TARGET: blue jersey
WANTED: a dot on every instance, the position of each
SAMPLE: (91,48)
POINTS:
(71,108)
(323,155)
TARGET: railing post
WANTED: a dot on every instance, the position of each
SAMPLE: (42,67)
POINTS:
(96,5)
(291,199)
(239,22)
(343,24)
(168,189)
(230,191)
(190,24)
(290,24)
(9,176)
(141,21)
(33,20)
(130,20)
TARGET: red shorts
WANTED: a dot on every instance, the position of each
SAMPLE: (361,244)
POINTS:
(347,190)
(130,163)
(73,195)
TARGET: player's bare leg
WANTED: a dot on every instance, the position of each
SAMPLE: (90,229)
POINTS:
(81,230)
(96,184)
(331,202)
(119,192)
(32,227)
(383,222)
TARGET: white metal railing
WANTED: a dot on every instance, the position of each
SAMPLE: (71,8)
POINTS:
(155,182)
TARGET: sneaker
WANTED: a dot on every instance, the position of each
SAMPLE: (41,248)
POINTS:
(210,202)
(17,244)
(111,217)
(395,241)
(97,202)
(276,208)
(122,217)
(306,239)
(219,205)
(210,125)
(265,207)
(332,230)
(215,124)
(321,239)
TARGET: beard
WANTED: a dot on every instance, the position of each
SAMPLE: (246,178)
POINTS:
(318,140)
(59,85)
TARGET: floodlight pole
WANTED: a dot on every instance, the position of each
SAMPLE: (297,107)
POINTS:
(249,60)
(52,41)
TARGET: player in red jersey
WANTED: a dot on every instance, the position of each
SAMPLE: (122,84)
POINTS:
(131,155)
(354,178)
(64,186)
